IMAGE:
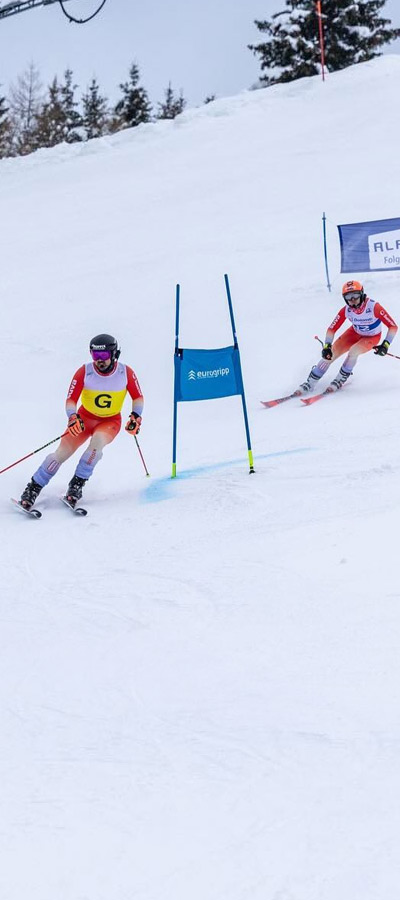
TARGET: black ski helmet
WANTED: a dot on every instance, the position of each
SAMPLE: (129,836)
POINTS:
(106,342)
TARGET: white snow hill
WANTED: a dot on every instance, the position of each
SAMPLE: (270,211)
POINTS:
(199,682)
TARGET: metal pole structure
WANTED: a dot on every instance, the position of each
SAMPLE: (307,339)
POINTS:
(246,421)
(19,6)
(178,291)
(326,252)
(321,38)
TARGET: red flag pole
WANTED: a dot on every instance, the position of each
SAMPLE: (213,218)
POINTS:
(321,38)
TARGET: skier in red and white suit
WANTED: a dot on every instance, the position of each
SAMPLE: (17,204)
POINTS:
(366,318)
(101,386)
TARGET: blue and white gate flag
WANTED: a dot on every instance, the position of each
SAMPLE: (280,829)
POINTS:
(370,246)
(207,374)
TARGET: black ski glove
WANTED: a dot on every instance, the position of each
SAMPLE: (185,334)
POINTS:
(327,351)
(382,349)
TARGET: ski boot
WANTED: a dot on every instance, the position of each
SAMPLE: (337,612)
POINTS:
(309,384)
(30,494)
(74,490)
(340,380)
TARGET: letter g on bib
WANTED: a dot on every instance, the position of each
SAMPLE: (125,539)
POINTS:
(103,401)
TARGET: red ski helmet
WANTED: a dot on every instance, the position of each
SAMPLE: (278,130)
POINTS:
(353,293)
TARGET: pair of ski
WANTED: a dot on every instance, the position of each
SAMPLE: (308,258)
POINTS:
(36,514)
(306,400)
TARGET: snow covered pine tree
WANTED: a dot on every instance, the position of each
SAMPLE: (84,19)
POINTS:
(353,33)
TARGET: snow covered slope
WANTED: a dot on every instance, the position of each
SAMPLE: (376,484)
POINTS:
(199,691)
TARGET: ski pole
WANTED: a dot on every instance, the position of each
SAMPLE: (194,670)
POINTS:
(141,457)
(394,355)
(318,339)
(33,452)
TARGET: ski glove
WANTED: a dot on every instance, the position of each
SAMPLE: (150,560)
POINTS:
(327,351)
(75,425)
(382,349)
(133,424)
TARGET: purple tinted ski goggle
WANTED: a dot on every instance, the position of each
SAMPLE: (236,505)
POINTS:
(100,354)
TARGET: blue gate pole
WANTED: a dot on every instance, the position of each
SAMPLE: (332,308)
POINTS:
(326,252)
(178,290)
(228,291)
(235,342)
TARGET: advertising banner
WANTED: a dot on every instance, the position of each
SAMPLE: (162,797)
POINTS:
(208,374)
(370,246)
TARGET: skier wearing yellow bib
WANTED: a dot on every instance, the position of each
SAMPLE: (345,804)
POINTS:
(101,386)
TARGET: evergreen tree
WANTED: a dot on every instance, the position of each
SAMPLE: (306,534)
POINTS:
(26,98)
(73,120)
(134,107)
(58,119)
(95,118)
(5,129)
(172,105)
(354,32)
(209,99)
(50,122)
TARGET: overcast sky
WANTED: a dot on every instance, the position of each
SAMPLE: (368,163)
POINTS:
(200,47)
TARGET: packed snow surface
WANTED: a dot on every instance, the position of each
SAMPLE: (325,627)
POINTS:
(199,689)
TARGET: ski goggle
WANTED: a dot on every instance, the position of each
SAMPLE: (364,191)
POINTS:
(101,354)
(352,295)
